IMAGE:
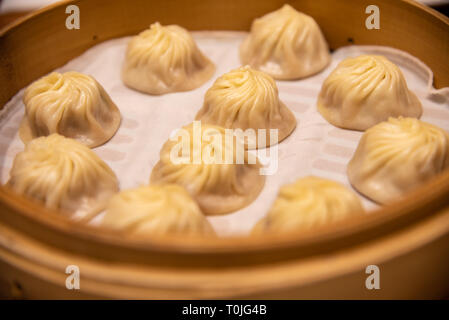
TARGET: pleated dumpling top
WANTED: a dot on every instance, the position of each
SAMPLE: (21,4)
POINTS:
(63,174)
(286,44)
(165,59)
(71,104)
(220,176)
(156,210)
(245,98)
(308,203)
(364,91)
(396,156)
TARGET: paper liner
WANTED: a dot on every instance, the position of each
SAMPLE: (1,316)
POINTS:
(314,148)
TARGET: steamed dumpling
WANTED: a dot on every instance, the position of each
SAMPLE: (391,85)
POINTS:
(63,174)
(71,104)
(210,169)
(247,99)
(156,209)
(396,156)
(364,91)
(307,203)
(286,44)
(165,59)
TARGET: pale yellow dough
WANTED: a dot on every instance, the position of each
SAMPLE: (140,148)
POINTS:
(165,59)
(308,203)
(64,175)
(286,44)
(217,186)
(364,91)
(71,104)
(396,156)
(247,99)
(156,210)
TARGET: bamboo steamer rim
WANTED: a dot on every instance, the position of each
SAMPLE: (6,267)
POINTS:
(419,204)
(428,199)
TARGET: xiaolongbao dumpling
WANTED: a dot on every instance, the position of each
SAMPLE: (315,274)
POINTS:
(71,104)
(286,44)
(156,209)
(364,91)
(247,99)
(221,176)
(63,174)
(396,156)
(165,59)
(307,203)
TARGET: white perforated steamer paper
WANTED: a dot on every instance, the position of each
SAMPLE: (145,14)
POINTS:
(314,148)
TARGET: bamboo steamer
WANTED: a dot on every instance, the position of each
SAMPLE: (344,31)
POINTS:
(408,240)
